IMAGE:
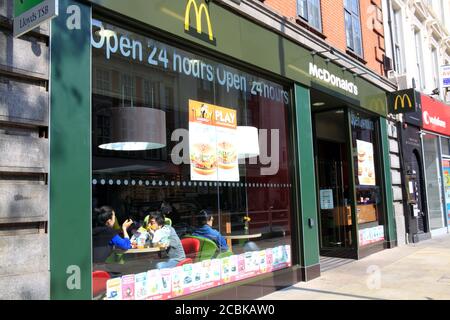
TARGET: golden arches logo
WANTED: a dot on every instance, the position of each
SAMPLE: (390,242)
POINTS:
(402,99)
(199,11)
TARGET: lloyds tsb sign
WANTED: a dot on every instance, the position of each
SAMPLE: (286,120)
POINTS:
(28,14)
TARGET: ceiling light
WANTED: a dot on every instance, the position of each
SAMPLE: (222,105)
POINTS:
(318,104)
(136,129)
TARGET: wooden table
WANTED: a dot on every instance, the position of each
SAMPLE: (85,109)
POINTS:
(240,236)
(146,250)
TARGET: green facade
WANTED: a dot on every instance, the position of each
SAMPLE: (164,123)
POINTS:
(307,197)
(236,39)
(70,157)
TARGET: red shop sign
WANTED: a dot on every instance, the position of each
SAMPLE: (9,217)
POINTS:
(436,116)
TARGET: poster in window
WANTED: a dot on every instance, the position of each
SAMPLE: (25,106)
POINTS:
(212,142)
(366,165)
(326,199)
(446,174)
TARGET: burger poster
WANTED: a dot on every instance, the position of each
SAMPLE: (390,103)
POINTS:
(212,142)
(366,166)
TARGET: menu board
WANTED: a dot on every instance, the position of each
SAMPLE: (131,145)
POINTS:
(366,165)
(212,142)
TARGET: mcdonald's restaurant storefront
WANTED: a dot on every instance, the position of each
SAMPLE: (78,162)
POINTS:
(190,109)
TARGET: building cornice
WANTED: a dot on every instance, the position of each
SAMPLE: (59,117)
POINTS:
(265,16)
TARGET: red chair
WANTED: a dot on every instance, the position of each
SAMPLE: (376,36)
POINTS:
(99,279)
(191,247)
(185,261)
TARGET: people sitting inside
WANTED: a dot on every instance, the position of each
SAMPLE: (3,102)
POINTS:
(105,237)
(205,230)
(164,236)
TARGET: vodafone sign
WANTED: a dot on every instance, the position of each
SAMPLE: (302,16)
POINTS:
(436,115)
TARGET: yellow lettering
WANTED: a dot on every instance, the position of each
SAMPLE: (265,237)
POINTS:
(402,99)
(198,14)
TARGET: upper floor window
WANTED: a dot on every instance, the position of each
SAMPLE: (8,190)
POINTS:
(398,41)
(309,10)
(420,81)
(353,26)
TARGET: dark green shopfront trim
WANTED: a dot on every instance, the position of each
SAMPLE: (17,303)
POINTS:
(309,234)
(70,156)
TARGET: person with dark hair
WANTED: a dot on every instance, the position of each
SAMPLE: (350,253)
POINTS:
(205,230)
(165,236)
(104,237)
(166,210)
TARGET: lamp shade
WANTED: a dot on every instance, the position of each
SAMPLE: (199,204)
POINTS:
(136,129)
(248,142)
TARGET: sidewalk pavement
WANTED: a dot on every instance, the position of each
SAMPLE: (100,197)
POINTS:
(412,272)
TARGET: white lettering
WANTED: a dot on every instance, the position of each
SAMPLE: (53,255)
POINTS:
(332,79)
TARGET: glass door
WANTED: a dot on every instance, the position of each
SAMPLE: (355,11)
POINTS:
(335,212)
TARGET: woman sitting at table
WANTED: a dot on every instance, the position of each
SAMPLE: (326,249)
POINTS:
(165,236)
(104,237)
(205,230)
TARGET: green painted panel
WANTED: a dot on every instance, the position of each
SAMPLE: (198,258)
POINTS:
(70,157)
(251,43)
(21,6)
(390,215)
(308,204)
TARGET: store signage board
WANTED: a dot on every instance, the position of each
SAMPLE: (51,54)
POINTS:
(29,14)
(445,76)
(436,115)
(404,101)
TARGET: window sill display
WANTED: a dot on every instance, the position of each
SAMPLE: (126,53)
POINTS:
(166,284)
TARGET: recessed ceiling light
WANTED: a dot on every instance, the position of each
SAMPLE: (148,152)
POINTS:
(318,104)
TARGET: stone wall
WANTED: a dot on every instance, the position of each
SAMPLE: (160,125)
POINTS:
(24,160)
(394,153)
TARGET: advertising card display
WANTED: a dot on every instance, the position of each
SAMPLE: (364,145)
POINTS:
(170,283)
(366,165)
(128,286)
(114,289)
(371,235)
(212,142)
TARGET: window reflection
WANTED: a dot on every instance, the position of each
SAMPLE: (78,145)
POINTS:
(253,213)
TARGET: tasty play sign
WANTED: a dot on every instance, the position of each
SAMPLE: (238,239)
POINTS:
(213,142)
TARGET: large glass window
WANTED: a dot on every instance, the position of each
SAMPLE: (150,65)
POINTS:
(353,26)
(433,179)
(369,199)
(181,131)
(309,10)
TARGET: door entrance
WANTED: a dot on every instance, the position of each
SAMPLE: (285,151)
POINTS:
(332,171)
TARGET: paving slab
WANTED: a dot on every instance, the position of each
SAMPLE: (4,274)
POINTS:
(411,272)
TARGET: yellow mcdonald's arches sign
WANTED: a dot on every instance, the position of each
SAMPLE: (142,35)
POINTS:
(199,11)
(402,99)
